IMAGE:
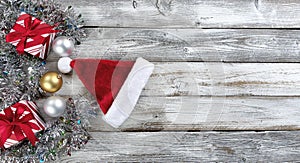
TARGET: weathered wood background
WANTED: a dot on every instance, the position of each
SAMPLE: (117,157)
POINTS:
(226,86)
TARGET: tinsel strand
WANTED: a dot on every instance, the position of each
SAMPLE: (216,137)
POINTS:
(19,80)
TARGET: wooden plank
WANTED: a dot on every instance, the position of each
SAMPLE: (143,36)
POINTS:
(207,113)
(189,14)
(190,147)
(211,79)
(204,45)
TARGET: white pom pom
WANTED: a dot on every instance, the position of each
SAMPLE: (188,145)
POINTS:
(63,65)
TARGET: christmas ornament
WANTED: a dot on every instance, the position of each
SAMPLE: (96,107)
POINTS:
(31,35)
(63,65)
(55,106)
(63,46)
(60,138)
(19,79)
(18,122)
(116,85)
(51,82)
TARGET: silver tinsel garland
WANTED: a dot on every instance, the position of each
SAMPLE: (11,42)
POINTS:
(19,80)
(61,137)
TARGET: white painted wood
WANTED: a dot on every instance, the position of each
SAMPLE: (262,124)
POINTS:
(204,94)
(210,45)
(190,147)
(207,113)
(192,96)
(189,14)
(211,79)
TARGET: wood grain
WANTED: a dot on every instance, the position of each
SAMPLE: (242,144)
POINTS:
(189,14)
(190,147)
(229,66)
(211,79)
(202,45)
(207,113)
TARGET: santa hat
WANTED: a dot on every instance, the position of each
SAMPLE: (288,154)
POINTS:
(116,85)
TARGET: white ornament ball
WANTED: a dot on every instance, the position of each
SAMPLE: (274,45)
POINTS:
(63,65)
(63,46)
(55,106)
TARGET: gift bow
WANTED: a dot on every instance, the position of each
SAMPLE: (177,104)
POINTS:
(31,29)
(18,123)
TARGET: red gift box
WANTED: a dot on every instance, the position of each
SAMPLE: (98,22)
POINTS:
(31,35)
(18,122)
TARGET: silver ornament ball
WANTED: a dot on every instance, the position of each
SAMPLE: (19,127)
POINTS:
(63,46)
(55,106)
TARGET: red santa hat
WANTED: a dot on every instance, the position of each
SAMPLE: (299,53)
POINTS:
(116,85)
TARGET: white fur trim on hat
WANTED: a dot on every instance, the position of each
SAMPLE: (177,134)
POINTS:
(129,93)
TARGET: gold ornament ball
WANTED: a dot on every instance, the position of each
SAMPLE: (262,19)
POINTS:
(51,82)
